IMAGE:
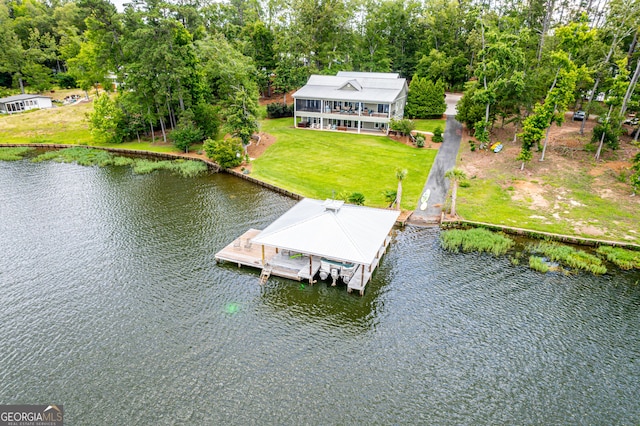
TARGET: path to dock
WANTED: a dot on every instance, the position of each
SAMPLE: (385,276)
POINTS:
(445,160)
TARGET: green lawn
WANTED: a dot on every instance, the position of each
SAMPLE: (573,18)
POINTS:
(429,125)
(320,164)
(490,200)
(64,125)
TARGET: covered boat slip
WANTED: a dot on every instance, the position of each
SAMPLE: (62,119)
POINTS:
(314,234)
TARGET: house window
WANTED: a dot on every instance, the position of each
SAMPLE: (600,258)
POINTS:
(383,108)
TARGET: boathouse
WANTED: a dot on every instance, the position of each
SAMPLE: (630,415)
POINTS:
(325,239)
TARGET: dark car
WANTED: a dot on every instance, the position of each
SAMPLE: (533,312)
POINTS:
(578,116)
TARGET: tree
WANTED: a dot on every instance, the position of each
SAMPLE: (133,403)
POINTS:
(186,132)
(454,175)
(105,121)
(611,128)
(241,115)
(400,175)
(425,99)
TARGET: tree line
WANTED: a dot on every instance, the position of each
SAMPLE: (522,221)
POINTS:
(192,66)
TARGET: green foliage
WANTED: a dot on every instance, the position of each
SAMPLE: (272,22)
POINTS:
(241,115)
(106,121)
(390,195)
(227,153)
(437,135)
(475,239)
(278,110)
(207,119)
(403,126)
(611,132)
(356,198)
(470,108)
(420,140)
(102,158)
(186,134)
(14,154)
(66,81)
(425,99)
(634,179)
(623,258)
(538,264)
(569,256)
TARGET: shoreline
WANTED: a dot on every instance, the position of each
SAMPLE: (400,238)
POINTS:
(403,220)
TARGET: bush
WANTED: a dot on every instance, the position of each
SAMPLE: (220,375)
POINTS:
(404,126)
(472,145)
(226,153)
(66,81)
(419,140)
(278,110)
(612,133)
(437,135)
(356,198)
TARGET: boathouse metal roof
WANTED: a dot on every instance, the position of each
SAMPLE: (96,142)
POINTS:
(330,229)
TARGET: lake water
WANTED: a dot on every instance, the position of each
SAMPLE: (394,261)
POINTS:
(111,303)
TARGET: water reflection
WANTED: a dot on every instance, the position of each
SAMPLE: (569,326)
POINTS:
(139,316)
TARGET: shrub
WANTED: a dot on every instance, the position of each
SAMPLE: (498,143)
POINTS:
(66,81)
(227,152)
(419,140)
(404,126)
(464,184)
(611,135)
(278,110)
(356,198)
(390,196)
(437,135)
(472,145)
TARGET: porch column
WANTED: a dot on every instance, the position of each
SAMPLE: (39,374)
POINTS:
(310,269)
(359,124)
(295,113)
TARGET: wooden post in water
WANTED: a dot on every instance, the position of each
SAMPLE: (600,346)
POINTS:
(263,255)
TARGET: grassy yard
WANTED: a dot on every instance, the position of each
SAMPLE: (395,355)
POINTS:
(429,125)
(64,125)
(567,203)
(322,164)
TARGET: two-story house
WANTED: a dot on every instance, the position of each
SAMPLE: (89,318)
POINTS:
(351,101)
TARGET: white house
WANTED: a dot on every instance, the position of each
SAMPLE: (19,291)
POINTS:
(351,101)
(20,103)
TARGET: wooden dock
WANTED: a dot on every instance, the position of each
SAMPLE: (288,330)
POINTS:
(280,263)
(285,264)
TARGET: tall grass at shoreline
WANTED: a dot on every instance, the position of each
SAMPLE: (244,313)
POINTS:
(475,239)
(622,258)
(14,154)
(569,256)
(101,158)
(538,264)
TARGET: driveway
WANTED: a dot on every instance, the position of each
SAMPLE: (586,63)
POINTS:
(436,183)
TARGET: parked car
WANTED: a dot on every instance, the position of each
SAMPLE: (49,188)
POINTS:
(578,115)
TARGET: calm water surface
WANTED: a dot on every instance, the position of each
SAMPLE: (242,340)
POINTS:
(111,303)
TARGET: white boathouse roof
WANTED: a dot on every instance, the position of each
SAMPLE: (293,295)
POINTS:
(331,229)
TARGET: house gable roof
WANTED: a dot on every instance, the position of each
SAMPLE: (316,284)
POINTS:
(374,87)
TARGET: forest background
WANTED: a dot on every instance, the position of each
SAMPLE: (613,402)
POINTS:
(194,67)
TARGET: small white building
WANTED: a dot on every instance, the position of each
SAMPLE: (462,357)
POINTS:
(351,101)
(21,103)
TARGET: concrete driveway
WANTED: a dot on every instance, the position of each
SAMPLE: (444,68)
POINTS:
(436,183)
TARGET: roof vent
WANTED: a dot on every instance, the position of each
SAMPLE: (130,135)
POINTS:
(332,205)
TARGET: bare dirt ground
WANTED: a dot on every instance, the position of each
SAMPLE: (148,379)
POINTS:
(565,154)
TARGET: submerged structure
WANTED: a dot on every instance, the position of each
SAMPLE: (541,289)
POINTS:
(328,239)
